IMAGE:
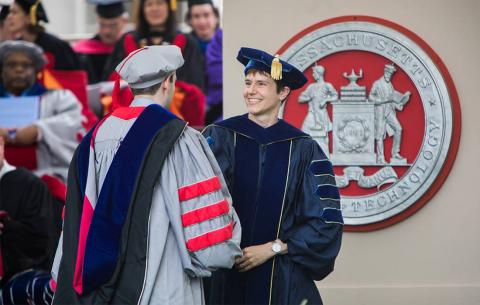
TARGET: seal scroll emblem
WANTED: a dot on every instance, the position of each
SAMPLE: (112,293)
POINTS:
(383,108)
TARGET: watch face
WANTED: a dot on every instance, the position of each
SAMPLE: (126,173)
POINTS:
(276,247)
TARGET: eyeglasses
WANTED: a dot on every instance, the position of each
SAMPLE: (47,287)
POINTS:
(14,64)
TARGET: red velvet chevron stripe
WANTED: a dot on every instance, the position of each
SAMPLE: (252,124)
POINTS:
(210,238)
(205,213)
(199,188)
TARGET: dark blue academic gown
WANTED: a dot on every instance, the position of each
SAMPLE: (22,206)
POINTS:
(283,187)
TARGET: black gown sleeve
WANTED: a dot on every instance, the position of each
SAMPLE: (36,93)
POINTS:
(193,70)
(63,55)
(66,58)
(28,231)
(117,55)
(314,241)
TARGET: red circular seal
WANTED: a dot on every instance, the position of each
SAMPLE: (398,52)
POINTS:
(383,104)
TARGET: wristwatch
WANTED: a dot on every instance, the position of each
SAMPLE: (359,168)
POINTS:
(276,247)
(12,133)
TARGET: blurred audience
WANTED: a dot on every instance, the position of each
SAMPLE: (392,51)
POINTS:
(93,53)
(23,22)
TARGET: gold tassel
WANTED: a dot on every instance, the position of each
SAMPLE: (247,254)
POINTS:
(276,71)
(33,13)
(173,5)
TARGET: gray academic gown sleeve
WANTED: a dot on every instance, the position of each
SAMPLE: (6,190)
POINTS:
(174,266)
(60,125)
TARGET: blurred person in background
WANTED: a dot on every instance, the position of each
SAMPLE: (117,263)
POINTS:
(204,18)
(23,21)
(27,236)
(93,53)
(156,25)
(57,131)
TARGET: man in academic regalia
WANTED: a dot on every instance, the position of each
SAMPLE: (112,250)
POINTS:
(148,213)
(284,192)
(93,53)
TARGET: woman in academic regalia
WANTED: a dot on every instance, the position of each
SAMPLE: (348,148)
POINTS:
(24,22)
(156,25)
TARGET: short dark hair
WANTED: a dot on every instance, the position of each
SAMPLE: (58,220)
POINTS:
(147,91)
(152,89)
(215,12)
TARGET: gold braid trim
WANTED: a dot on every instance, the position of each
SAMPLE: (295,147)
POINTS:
(33,13)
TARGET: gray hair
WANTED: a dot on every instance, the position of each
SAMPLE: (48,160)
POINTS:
(32,50)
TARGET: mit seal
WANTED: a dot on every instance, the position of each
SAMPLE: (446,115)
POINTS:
(383,107)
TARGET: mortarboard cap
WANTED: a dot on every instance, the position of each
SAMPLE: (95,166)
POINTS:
(108,8)
(31,49)
(110,11)
(277,68)
(35,9)
(150,65)
(198,2)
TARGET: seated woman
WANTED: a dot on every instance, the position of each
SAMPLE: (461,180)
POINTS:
(58,128)
(23,22)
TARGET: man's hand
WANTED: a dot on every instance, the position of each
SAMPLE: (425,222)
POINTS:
(254,256)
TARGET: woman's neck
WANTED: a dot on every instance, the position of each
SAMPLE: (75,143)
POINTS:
(157,28)
(27,36)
